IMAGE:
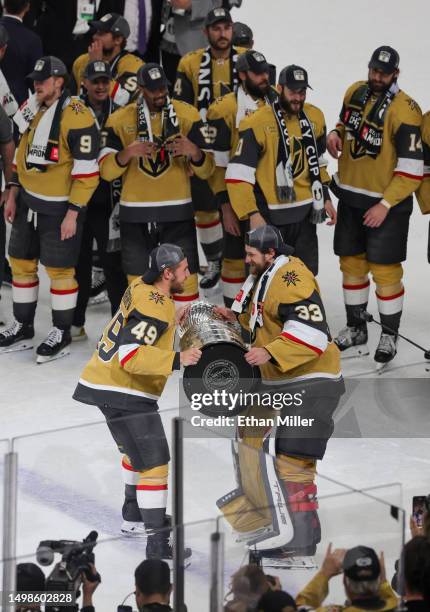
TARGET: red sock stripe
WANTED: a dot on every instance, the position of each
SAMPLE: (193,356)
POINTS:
(352,287)
(64,291)
(129,356)
(294,339)
(238,181)
(233,280)
(25,285)
(185,298)
(151,487)
(126,466)
(207,225)
(391,297)
(79,176)
(407,175)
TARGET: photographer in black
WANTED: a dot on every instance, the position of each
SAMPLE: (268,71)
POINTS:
(153,586)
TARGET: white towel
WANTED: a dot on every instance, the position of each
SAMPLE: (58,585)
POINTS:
(7,99)
(246,105)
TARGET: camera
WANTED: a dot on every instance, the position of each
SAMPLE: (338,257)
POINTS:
(67,573)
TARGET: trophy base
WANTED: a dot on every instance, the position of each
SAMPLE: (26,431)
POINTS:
(222,367)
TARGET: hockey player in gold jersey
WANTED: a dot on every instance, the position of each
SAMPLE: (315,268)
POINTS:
(274,507)
(125,378)
(155,144)
(203,76)
(423,192)
(56,175)
(224,117)
(278,174)
(378,142)
(109,40)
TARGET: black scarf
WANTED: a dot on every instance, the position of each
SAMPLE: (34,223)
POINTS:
(169,121)
(205,85)
(284,172)
(367,133)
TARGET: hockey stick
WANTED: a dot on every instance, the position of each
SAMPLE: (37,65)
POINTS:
(368,318)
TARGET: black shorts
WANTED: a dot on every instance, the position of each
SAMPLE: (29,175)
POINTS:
(139,435)
(202,195)
(43,242)
(386,244)
(303,237)
(137,242)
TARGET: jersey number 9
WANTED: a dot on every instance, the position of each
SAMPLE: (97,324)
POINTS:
(109,342)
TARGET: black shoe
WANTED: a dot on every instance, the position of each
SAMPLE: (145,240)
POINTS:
(17,337)
(212,275)
(54,346)
(158,547)
(98,283)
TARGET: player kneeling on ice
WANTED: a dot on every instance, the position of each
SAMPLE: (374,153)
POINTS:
(125,378)
(274,508)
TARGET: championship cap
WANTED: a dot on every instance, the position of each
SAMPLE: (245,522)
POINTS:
(273,601)
(361,563)
(252,60)
(164,256)
(216,15)
(294,77)
(47,66)
(268,237)
(29,577)
(242,34)
(386,59)
(111,22)
(152,77)
(95,70)
(4,36)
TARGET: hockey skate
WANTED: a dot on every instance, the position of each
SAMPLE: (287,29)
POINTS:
(352,341)
(386,351)
(130,529)
(159,546)
(212,276)
(290,562)
(55,346)
(16,337)
(78,333)
(98,294)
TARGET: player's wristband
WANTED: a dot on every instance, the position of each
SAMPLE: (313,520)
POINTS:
(337,132)
(386,204)
(200,162)
(119,163)
(12,184)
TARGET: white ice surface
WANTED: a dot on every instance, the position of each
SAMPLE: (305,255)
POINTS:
(70,482)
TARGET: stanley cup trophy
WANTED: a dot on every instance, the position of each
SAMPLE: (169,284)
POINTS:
(222,365)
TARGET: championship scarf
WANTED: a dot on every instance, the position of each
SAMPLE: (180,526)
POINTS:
(367,133)
(205,85)
(258,296)
(169,123)
(7,99)
(284,172)
(44,148)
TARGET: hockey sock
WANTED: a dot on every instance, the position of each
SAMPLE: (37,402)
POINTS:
(356,296)
(151,493)
(209,233)
(130,509)
(390,306)
(64,295)
(25,289)
(233,276)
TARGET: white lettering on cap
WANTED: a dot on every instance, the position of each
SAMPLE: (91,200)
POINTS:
(384,56)
(106,17)
(39,65)
(258,57)
(364,561)
(219,12)
(154,74)
(299,75)
(99,67)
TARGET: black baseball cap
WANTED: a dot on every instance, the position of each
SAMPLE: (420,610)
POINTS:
(4,36)
(361,563)
(164,256)
(385,58)
(268,237)
(29,577)
(95,70)
(111,22)
(47,66)
(276,601)
(242,34)
(252,60)
(152,77)
(216,15)
(294,77)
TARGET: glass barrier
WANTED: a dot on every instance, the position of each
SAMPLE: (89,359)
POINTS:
(4,449)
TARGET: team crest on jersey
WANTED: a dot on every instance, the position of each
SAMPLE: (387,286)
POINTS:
(155,166)
(156,297)
(77,107)
(291,278)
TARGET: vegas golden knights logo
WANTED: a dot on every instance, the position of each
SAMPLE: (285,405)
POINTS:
(297,156)
(357,149)
(155,166)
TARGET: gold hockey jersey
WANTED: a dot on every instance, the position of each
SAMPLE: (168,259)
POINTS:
(224,133)
(363,180)
(75,176)
(154,189)
(187,79)
(423,191)
(251,173)
(124,69)
(135,355)
(295,330)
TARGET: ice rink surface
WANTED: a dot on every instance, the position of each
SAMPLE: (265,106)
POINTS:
(70,481)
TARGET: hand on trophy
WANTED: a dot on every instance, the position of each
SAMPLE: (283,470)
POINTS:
(181,313)
(190,357)
(257,356)
(225,313)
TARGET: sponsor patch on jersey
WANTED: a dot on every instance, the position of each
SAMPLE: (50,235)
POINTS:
(291,278)
(156,297)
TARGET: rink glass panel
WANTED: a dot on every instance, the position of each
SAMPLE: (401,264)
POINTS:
(4,449)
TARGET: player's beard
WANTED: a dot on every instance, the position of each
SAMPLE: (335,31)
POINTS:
(379,88)
(215,44)
(256,91)
(258,269)
(286,105)
(176,287)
